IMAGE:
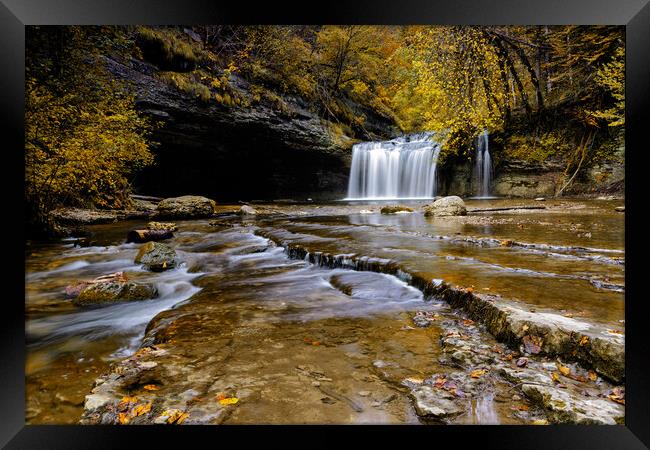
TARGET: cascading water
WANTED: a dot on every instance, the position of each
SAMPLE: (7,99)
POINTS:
(397,169)
(483,167)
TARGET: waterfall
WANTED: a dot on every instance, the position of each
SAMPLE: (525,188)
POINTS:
(483,167)
(401,168)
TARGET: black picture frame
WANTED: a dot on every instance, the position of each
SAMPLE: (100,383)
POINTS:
(634,14)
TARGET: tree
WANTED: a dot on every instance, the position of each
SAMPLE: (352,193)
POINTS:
(83,136)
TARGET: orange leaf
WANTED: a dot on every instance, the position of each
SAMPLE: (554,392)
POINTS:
(477,373)
(229,401)
(555,377)
(123,418)
(592,375)
(141,409)
(584,340)
(150,387)
(564,370)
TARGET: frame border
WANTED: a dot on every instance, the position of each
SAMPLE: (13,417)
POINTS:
(635,14)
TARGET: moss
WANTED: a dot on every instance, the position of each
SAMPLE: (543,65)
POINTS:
(168,49)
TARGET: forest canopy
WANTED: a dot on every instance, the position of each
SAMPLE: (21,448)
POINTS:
(85,138)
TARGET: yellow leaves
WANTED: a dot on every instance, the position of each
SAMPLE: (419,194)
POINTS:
(555,377)
(564,370)
(592,375)
(125,415)
(174,416)
(228,401)
(539,422)
(478,373)
(584,340)
(150,387)
(126,401)
(414,380)
(141,409)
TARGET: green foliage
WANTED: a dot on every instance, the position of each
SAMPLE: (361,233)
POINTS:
(83,137)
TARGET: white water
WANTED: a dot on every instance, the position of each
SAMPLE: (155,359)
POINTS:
(483,167)
(402,168)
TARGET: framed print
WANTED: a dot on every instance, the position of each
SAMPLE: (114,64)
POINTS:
(363,214)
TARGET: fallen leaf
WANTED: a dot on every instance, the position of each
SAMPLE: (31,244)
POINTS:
(555,377)
(592,375)
(532,344)
(229,401)
(477,373)
(584,340)
(617,395)
(496,349)
(150,387)
(470,289)
(126,401)
(524,328)
(468,322)
(123,418)
(507,357)
(539,422)
(564,370)
(141,409)
(615,331)
(175,416)
(439,382)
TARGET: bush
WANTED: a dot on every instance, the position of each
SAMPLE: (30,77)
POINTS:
(167,49)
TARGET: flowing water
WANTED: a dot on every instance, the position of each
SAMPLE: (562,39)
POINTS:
(400,168)
(299,342)
(483,166)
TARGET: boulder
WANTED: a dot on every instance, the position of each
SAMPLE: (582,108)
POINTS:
(434,403)
(446,206)
(185,207)
(162,226)
(111,291)
(395,209)
(247,211)
(156,257)
(148,235)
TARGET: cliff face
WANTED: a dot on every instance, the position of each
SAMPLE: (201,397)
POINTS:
(240,152)
(516,178)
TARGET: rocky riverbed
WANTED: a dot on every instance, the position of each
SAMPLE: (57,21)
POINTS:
(336,313)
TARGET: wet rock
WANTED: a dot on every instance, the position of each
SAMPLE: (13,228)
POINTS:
(140,236)
(156,257)
(247,211)
(446,206)
(394,209)
(105,292)
(185,207)
(564,406)
(541,332)
(168,226)
(434,403)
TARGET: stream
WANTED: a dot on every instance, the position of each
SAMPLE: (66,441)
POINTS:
(255,312)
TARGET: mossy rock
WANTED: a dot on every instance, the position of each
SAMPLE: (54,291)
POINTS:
(114,291)
(156,257)
(394,209)
(185,207)
(446,206)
